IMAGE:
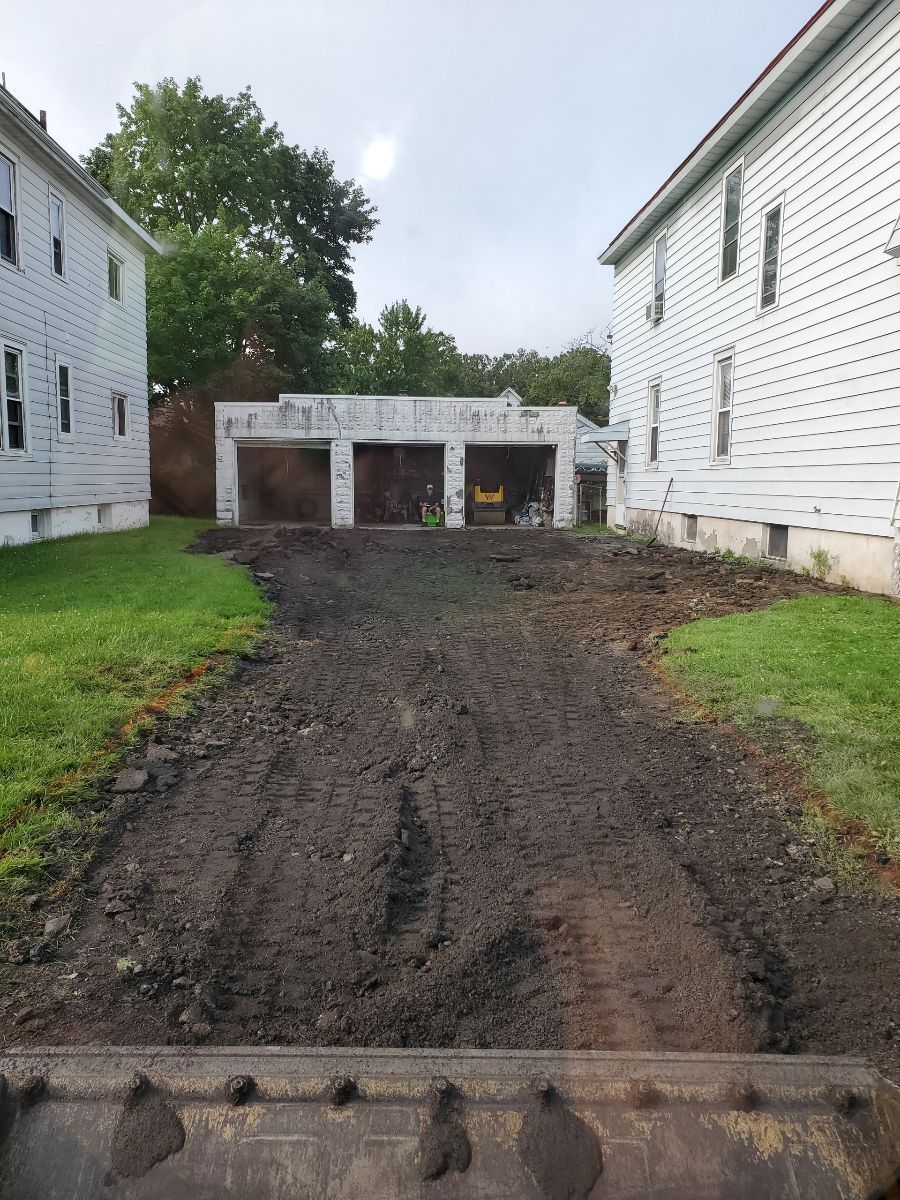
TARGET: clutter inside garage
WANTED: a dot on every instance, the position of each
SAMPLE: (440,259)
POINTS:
(390,480)
(509,485)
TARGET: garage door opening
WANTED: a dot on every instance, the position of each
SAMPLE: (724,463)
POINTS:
(508,485)
(388,481)
(284,483)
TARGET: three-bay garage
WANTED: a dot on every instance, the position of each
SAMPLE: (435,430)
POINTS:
(347,460)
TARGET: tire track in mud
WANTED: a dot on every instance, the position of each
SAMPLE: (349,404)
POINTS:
(423,816)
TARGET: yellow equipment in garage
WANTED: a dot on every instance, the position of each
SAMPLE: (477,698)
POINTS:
(489,507)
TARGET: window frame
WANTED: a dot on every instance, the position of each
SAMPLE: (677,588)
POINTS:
(114,256)
(721,356)
(738,162)
(54,194)
(121,437)
(64,435)
(654,384)
(14,161)
(663,235)
(7,344)
(767,209)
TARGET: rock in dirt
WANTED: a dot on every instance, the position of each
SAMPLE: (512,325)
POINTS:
(158,753)
(824,885)
(131,779)
(116,907)
(53,926)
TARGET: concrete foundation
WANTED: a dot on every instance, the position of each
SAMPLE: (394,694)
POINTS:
(16,528)
(863,561)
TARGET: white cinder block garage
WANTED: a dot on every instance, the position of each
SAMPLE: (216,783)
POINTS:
(347,460)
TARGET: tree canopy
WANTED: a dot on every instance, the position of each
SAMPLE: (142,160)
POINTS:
(403,355)
(259,236)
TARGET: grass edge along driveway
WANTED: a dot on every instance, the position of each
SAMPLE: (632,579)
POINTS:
(825,668)
(93,629)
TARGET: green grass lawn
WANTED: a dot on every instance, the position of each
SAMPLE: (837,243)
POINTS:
(92,630)
(829,664)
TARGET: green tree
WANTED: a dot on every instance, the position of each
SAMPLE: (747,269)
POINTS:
(256,278)
(402,356)
(181,157)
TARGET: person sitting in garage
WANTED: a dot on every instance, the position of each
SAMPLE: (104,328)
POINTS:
(431,502)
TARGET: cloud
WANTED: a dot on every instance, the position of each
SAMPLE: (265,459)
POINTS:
(378,158)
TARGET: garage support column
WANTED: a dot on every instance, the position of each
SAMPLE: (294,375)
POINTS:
(226,481)
(455,484)
(342,483)
(564,486)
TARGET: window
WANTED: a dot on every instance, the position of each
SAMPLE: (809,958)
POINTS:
(722,390)
(12,396)
(732,187)
(777,541)
(659,277)
(689,527)
(58,235)
(7,211)
(116,270)
(653,422)
(770,257)
(121,416)
(64,397)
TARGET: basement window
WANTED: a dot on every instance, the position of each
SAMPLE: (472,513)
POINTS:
(777,541)
(689,527)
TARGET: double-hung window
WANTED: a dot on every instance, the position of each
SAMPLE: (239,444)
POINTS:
(732,189)
(58,235)
(770,256)
(723,386)
(659,278)
(116,277)
(121,415)
(654,394)
(64,397)
(13,434)
(8,241)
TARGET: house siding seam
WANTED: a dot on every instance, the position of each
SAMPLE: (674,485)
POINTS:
(816,400)
(72,319)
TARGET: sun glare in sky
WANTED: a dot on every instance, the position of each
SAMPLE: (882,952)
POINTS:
(378,158)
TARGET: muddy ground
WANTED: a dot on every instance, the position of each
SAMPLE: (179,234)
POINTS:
(447,805)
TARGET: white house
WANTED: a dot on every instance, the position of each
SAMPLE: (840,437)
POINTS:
(756,370)
(345,460)
(74,444)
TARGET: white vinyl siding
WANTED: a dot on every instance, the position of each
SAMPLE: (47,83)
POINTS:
(815,420)
(104,345)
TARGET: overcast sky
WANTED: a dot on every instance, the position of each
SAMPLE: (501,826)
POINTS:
(504,141)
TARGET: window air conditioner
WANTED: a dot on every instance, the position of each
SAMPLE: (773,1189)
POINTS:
(655,310)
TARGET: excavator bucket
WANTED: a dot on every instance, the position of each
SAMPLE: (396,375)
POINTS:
(281,1124)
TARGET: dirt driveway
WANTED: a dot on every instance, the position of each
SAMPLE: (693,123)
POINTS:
(447,806)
